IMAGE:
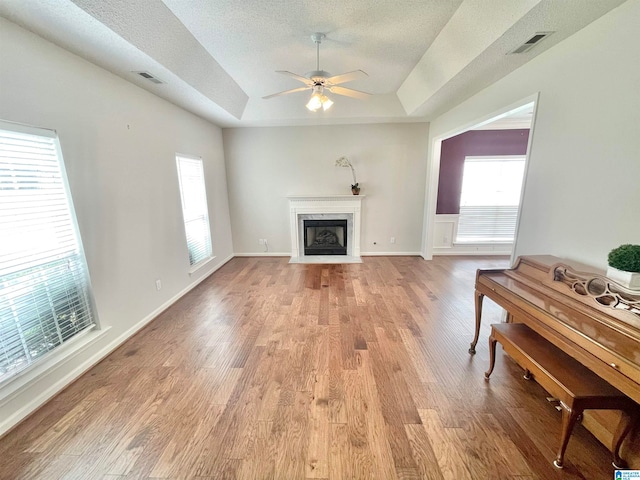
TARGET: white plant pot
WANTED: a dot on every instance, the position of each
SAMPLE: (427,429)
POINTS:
(628,279)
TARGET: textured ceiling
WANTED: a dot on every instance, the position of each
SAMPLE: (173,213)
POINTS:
(219,58)
(251,39)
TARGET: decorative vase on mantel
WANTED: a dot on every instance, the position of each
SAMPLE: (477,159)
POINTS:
(344,162)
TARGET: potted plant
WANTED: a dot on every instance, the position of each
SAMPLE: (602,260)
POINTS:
(624,266)
(344,162)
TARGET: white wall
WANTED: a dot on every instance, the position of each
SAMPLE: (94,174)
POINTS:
(582,192)
(264,165)
(119,144)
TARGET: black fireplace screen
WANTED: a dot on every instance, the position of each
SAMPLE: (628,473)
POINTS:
(325,237)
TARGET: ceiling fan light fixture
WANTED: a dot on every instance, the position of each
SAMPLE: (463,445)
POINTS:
(318,80)
(319,100)
(315,102)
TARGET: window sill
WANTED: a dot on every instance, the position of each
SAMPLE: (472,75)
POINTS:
(200,264)
(53,360)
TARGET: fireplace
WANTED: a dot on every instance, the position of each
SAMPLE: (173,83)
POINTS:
(343,208)
(325,237)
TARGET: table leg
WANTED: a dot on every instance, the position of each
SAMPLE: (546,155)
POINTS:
(569,417)
(492,356)
(479,298)
(626,424)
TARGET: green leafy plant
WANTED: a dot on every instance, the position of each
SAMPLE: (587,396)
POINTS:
(625,257)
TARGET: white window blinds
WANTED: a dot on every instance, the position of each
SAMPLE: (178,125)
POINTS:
(490,199)
(194,208)
(44,283)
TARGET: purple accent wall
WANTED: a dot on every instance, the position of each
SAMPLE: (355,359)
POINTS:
(472,143)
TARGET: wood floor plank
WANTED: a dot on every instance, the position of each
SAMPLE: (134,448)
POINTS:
(182,448)
(317,462)
(260,462)
(451,461)
(230,430)
(123,444)
(62,430)
(339,464)
(358,448)
(271,370)
(125,448)
(525,441)
(337,412)
(386,360)
(423,452)
(290,435)
(492,432)
(383,464)
(417,356)
(95,428)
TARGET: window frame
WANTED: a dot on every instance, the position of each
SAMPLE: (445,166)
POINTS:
(193,267)
(497,158)
(83,338)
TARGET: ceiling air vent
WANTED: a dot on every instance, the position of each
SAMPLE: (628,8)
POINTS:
(532,42)
(149,77)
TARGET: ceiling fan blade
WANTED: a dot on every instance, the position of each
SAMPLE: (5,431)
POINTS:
(349,92)
(300,78)
(286,92)
(346,77)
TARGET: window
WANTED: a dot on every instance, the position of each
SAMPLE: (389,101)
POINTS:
(490,199)
(194,208)
(45,296)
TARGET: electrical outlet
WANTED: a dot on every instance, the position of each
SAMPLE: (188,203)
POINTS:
(261,241)
(158,285)
(393,239)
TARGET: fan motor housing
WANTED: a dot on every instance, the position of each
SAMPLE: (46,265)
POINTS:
(317,75)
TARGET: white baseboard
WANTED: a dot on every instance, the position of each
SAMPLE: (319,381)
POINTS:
(390,254)
(33,404)
(362,254)
(263,254)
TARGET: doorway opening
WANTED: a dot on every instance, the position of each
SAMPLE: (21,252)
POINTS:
(479,183)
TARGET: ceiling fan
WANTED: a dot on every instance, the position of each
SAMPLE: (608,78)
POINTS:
(319,81)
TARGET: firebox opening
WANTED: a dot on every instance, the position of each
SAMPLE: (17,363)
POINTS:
(325,237)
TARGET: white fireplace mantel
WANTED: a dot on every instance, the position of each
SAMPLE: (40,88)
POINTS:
(301,205)
(351,199)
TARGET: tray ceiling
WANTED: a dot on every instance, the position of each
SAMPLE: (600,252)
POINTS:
(218,59)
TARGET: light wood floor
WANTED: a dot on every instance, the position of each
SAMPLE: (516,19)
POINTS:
(271,370)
